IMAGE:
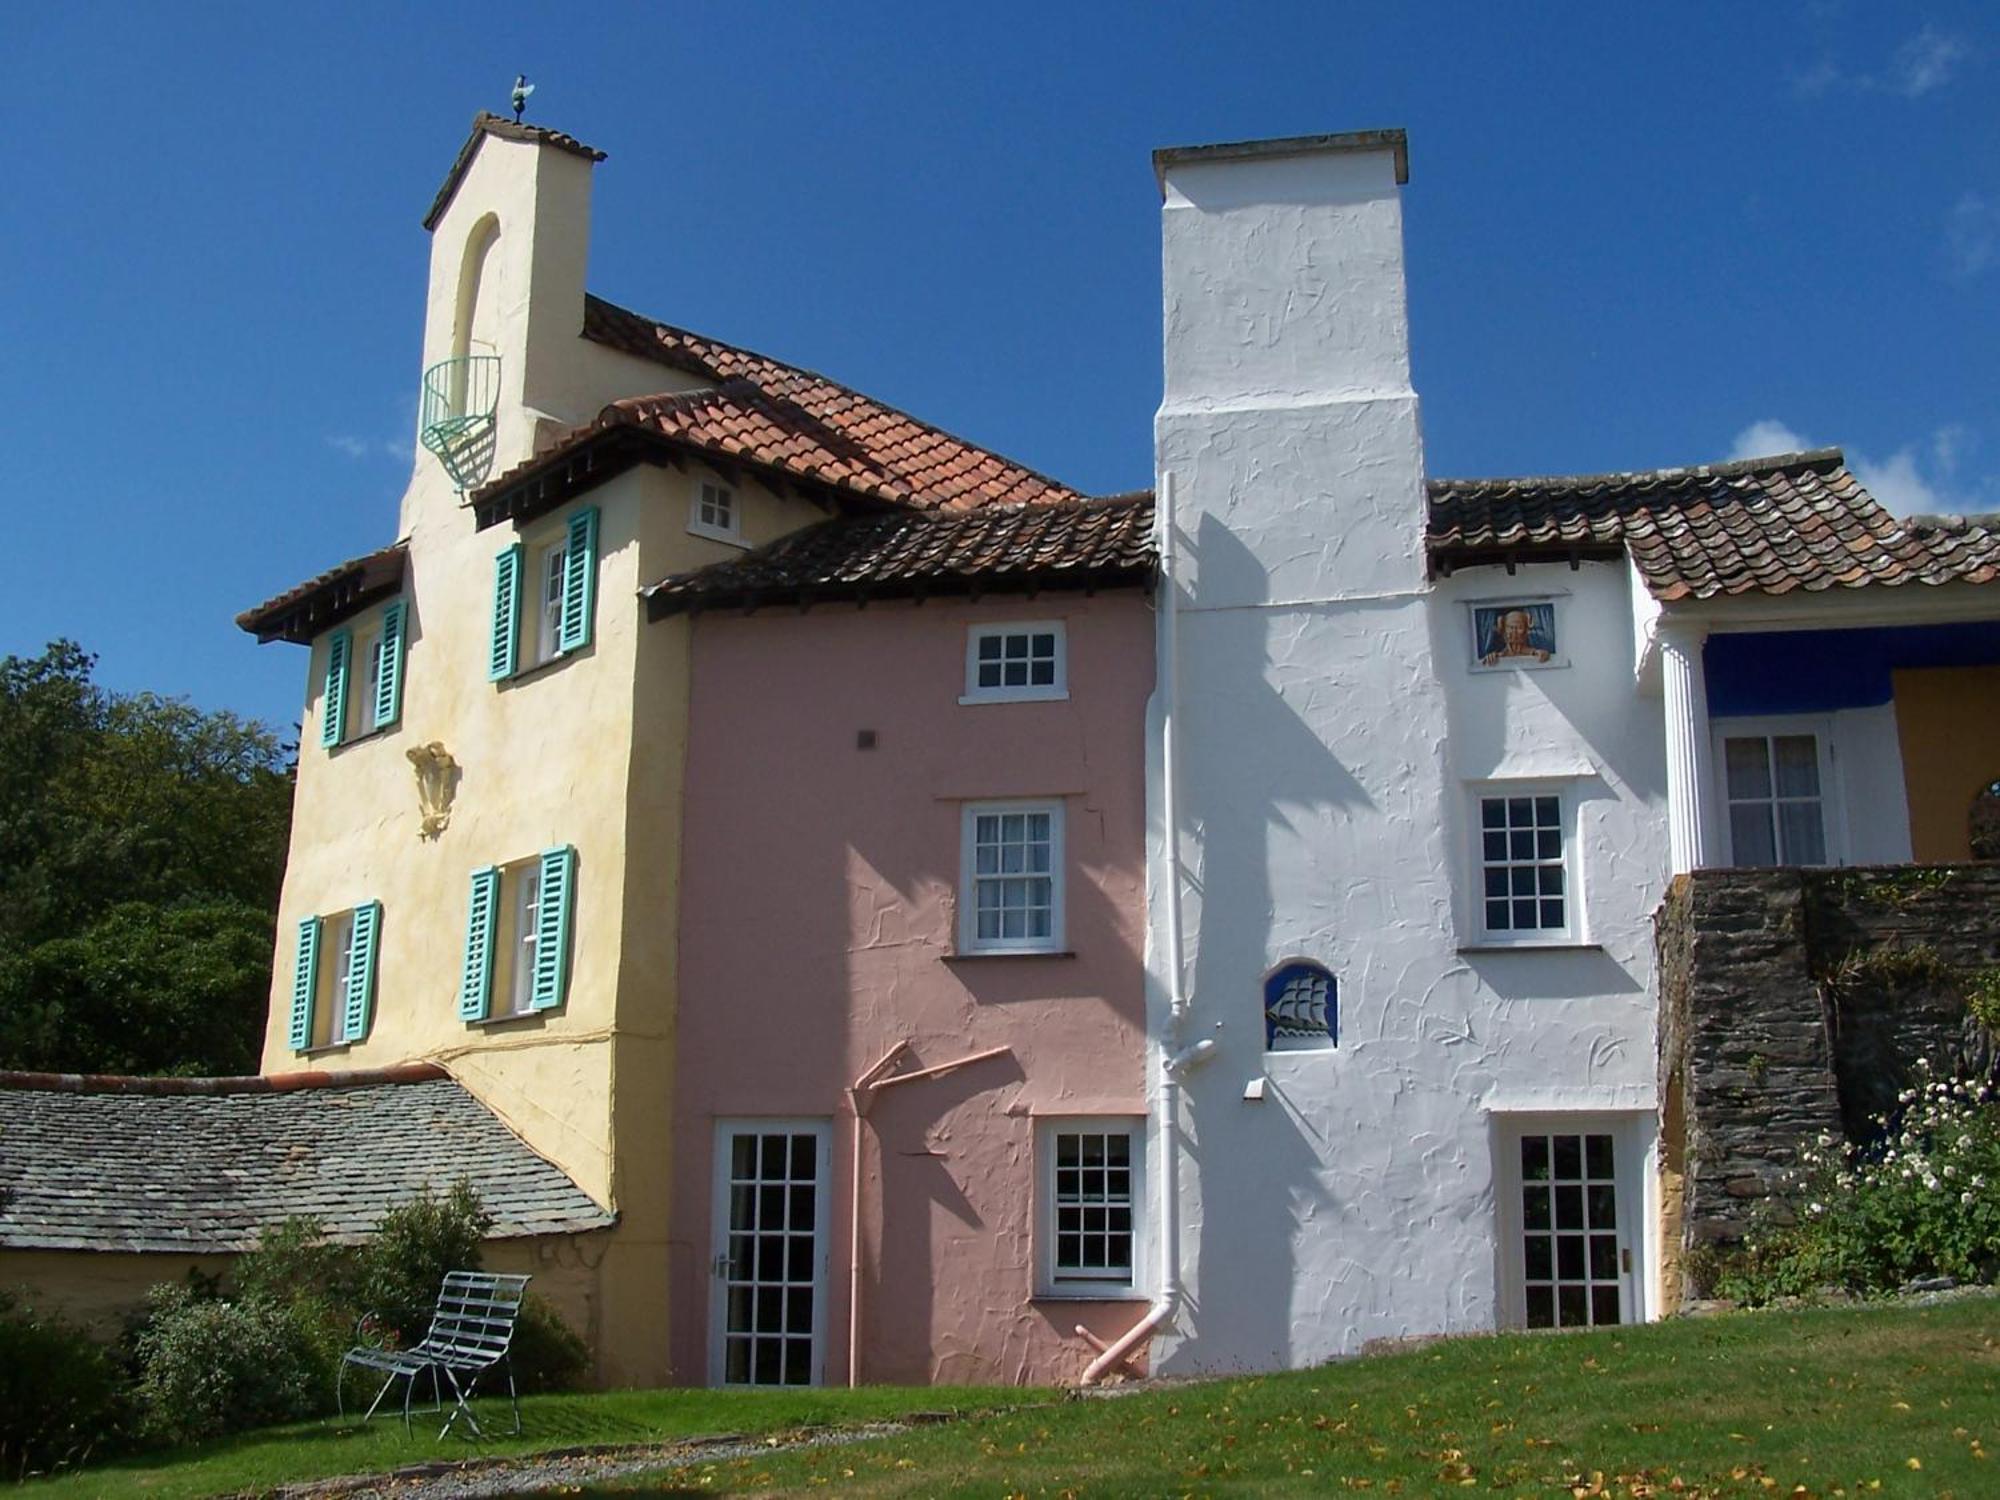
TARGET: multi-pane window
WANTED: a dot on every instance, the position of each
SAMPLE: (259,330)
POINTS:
(1013,663)
(1572,1262)
(1013,878)
(514,961)
(364,677)
(367,684)
(517,937)
(1524,877)
(336,968)
(549,565)
(716,513)
(1776,815)
(1092,1195)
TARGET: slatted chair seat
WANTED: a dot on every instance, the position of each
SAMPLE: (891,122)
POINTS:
(472,1330)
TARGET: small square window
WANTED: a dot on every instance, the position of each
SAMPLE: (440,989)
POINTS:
(1524,890)
(1011,890)
(715,513)
(1092,1196)
(1016,663)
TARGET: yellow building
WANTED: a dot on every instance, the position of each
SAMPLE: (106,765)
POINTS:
(484,860)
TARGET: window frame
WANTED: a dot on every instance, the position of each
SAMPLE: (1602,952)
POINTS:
(547,570)
(1056,692)
(510,990)
(1573,932)
(1051,1281)
(364,677)
(326,1027)
(1832,804)
(730,531)
(970,944)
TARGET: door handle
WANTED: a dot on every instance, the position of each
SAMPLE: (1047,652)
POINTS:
(720,1265)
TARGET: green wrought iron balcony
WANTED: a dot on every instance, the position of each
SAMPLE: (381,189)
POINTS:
(456,421)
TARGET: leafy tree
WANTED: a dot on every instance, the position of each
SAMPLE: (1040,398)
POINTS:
(142,846)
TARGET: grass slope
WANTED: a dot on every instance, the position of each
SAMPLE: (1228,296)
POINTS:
(1884,1400)
(259,1461)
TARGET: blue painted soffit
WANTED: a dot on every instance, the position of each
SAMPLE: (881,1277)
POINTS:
(1816,671)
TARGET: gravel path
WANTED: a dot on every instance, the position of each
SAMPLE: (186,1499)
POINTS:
(489,1478)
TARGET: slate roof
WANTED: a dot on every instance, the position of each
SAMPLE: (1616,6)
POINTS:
(760,411)
(1798,521)
(306,609)
(1079,544)
(203,1165)
(485,124)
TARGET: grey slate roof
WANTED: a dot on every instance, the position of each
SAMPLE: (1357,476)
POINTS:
(203,1165)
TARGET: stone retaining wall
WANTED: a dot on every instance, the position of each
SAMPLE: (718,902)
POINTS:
(1796,1002)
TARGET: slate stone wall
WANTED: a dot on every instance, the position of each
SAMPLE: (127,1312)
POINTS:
(1795,1002)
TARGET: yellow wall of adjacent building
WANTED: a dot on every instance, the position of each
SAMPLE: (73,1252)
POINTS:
(1948,723)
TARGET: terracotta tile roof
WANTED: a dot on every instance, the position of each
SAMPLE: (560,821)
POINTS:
(304,610)
(205,1165)
(763,412)
(1077,544)
(1798,521)
(483,125)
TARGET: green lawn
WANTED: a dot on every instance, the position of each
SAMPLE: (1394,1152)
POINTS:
(315,1450)
(1837,1401)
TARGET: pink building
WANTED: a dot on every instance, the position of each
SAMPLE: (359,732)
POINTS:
(914,858)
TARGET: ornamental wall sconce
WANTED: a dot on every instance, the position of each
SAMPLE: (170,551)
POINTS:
(437,784)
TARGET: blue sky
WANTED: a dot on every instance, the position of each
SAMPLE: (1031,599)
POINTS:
(1636,237)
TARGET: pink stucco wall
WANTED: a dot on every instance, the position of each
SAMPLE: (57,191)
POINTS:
(818,930)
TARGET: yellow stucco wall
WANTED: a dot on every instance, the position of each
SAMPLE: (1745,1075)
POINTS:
(1948,723)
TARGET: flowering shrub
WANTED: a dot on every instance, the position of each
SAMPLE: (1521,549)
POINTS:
(1923,1200)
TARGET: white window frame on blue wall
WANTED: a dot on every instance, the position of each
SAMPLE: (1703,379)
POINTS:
(1770,727)
(1572,931)
(972,879)
(990,650)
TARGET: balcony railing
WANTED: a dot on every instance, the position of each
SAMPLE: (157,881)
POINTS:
(456,420)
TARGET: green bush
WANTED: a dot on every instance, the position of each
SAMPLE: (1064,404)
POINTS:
(1922,1201)
(547,1354)
(61,1400)
(397,1273)
(210,1366)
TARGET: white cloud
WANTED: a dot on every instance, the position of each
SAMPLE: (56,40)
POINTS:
(1971,235)
(1916,478)
(1765,438)
(1925,62)
(366,448)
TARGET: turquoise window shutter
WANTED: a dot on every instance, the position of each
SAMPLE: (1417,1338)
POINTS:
(333,704)
(507,569)
(389,679)
(360,996)
(558,894)
(579,600)
(476,988)
(305,978)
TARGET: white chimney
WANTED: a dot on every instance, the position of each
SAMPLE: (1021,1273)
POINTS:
(1288,412)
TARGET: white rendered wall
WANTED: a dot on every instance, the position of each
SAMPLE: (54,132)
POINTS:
(1330,724)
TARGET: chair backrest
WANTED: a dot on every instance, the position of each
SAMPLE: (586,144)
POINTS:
(476,1313)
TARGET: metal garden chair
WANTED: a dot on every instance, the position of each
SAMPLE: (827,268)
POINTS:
(472,1330)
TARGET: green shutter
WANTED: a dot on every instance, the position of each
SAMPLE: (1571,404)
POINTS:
(360,995)
(389,674)
(579,597)
(333,704)
(506,613)
(305,979)
(558,892)
(476,988)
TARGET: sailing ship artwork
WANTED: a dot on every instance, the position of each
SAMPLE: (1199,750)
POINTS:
(1301,1008)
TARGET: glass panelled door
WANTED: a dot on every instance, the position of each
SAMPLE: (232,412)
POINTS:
(769,1317)
(1575,1261)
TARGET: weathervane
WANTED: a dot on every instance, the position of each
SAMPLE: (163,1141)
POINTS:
(522,88)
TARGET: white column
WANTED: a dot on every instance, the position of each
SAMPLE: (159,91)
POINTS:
(1690,838)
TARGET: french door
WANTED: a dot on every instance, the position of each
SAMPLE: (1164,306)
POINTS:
(1571,1228)
(767,1321)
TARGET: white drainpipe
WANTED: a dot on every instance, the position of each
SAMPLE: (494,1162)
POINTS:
(1173,1063)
